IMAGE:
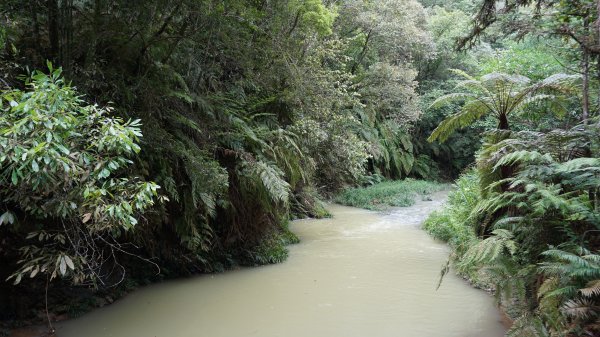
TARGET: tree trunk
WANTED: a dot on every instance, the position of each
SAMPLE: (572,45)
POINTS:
(36,25)
(53,29)
(66,36)
(90,55)
(598,78)
(506,171)
(585,65)
(503,122)
(586,86)
(598,22)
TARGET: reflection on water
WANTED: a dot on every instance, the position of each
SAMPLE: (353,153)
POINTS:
(358,274)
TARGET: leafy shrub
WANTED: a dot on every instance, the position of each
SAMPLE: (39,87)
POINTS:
(454,223)
(66,187)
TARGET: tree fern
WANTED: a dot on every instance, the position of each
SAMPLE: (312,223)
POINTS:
(496,94)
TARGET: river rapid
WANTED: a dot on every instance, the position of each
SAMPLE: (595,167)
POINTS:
(360,273)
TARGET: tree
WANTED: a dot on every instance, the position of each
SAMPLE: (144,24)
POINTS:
(383,39)
(577,23)
(496,94)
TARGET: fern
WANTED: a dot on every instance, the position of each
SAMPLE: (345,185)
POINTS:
(529,325)
(492,248)
(271,178)
(496,94)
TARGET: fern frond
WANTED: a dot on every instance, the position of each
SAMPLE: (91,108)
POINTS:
(522,156)
(462,74)
(580,308)
(271,179)
(450,98)
(528,100)
(528,325)
(491,249)
(591,289)
(493,79)
(468,114)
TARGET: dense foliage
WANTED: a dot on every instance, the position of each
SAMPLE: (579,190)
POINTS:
(251,111)
(525,221)
(540,242)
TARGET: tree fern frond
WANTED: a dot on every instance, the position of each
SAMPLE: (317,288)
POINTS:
(462,74)
(577,164)
(559,80)
(523,156)
(528,325)
(580,308)
(592,288)
(502,78)
(491,249)
(472,85)
(271,179)
(470,113)
(536,98)
(450,98)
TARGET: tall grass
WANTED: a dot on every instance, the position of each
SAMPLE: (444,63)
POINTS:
(387,194)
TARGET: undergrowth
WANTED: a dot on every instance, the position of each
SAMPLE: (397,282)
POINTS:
(271,250)
(383,195)
(455,224)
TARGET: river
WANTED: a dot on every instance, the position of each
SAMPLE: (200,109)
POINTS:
(360,273)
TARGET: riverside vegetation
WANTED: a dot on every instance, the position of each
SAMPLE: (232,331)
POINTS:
(382,195)
(170,137)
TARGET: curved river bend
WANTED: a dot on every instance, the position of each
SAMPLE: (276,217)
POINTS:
(359,274)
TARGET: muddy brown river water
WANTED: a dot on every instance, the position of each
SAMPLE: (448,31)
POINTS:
(360,273)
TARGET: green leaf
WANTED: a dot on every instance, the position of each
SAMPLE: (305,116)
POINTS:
(35,272)
(8,217)
(14,178)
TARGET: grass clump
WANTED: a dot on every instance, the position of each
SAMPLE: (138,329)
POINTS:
(380,196)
